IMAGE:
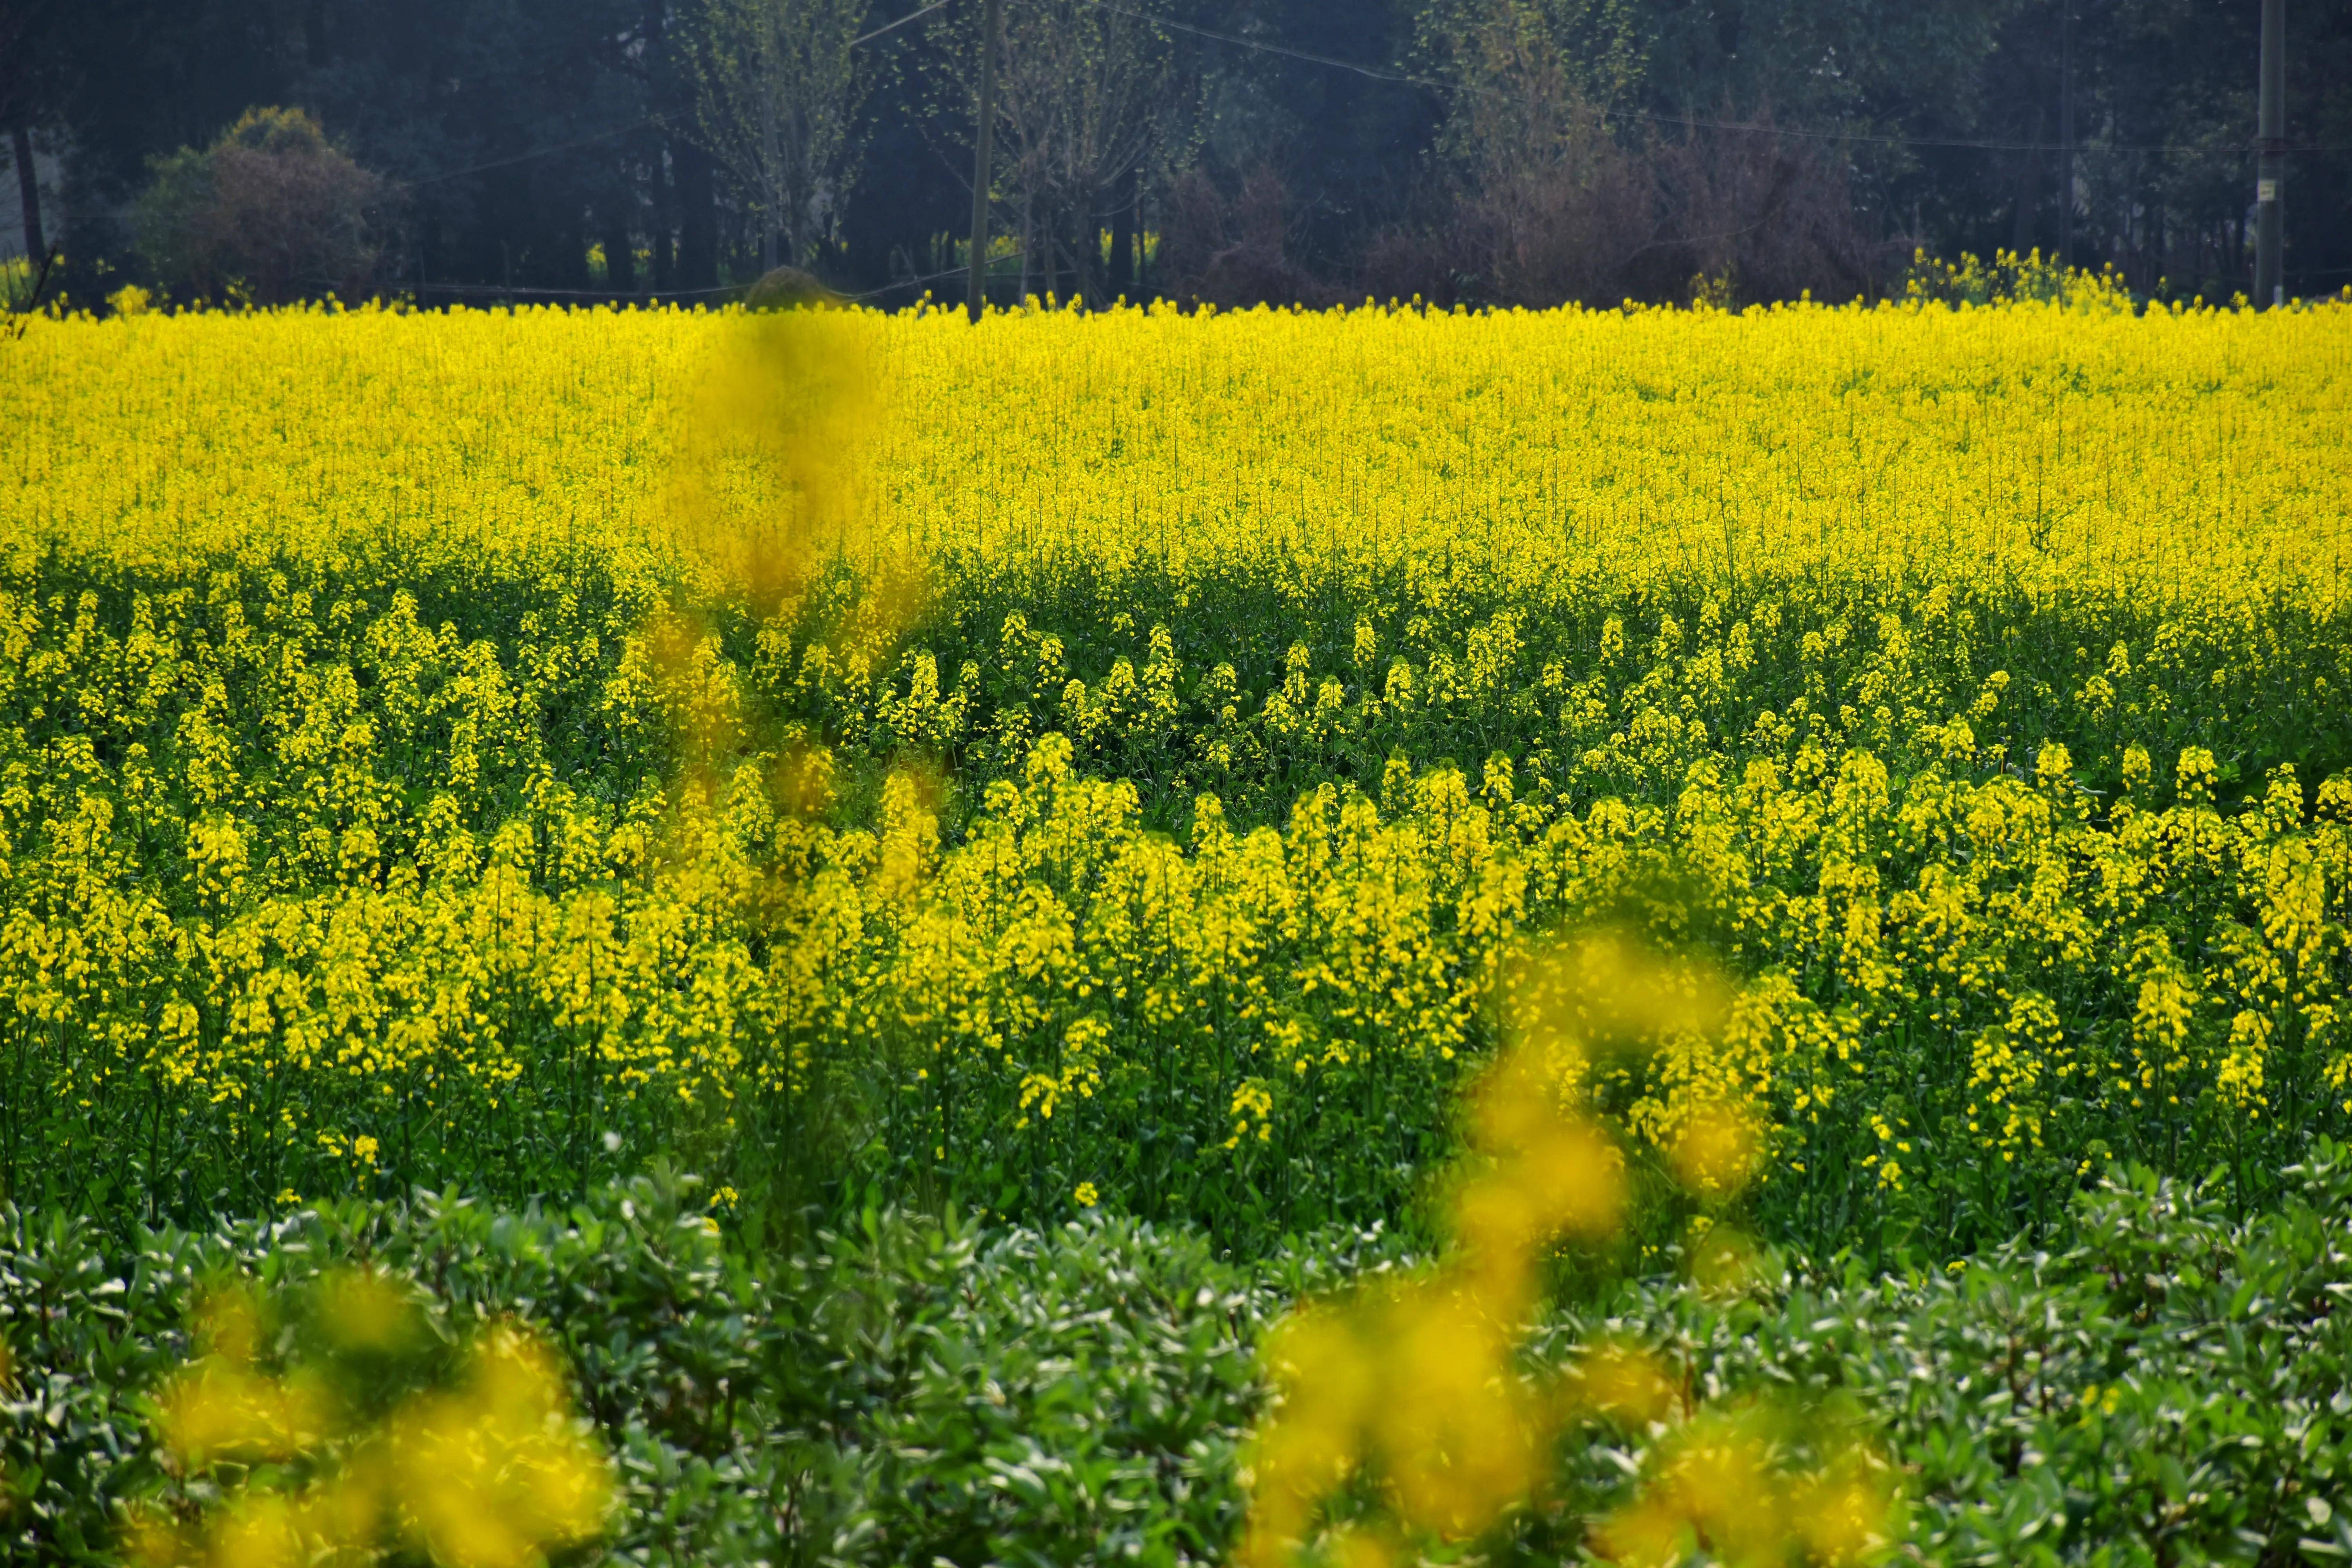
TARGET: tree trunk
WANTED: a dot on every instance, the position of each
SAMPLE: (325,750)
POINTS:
(2029,180)
(1123,280)
(28,190)
(1142,268)
(571,268)
(697,250)
(773,200)
(1088,253)
(665,233)
(1028,239)
(663,182)
(620,254)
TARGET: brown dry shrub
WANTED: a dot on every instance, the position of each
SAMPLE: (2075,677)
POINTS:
(271,211)
(1750,213)
(1534,231)
(1772,213)
(1563,224)
(1223,250)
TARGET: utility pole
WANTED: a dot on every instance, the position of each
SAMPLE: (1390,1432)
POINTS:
(983,155)
(2271,170)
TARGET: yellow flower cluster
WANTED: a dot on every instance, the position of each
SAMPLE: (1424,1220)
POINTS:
(1124,754)
(2059,444)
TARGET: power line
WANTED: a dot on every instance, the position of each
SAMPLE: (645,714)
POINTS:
(505,290)
(648,120)
(898,284)
(544,151)
(893,27)
(657,295)
(1409,79)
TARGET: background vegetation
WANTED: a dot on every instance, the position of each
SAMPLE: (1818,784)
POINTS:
(1503,151)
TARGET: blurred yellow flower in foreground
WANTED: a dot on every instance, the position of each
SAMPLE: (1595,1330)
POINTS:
(493,1472)
(491,1476)
(1415,1388)
(1715,1488)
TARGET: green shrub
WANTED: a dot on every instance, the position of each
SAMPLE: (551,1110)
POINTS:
(2170,1387)
(271,212)
(912,1391)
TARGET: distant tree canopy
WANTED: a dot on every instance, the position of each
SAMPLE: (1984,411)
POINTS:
(1486,151)
(777,85)
(271,211)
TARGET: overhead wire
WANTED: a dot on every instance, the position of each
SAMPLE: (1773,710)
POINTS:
(650,120)
(1017,254)
(1435,84)
(504,291)
(640,124)
(1375,73)
(893,27)
(1409,79)
(508,290)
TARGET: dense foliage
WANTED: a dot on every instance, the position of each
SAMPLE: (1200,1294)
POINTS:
(2164,1385)
(510,754)
(912,1391)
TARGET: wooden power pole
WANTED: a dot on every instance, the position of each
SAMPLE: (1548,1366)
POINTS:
(2271,170)
(983,155)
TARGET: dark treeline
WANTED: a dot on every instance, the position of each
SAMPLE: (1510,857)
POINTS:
(1487,151)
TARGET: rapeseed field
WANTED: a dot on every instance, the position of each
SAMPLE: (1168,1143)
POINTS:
(1123,762)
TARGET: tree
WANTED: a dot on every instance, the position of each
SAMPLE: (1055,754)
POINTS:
(1548,205)
(271,210)
(26,92)
(777,88)
(1082,91)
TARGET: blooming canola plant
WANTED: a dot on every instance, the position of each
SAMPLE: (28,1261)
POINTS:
(1128,754)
